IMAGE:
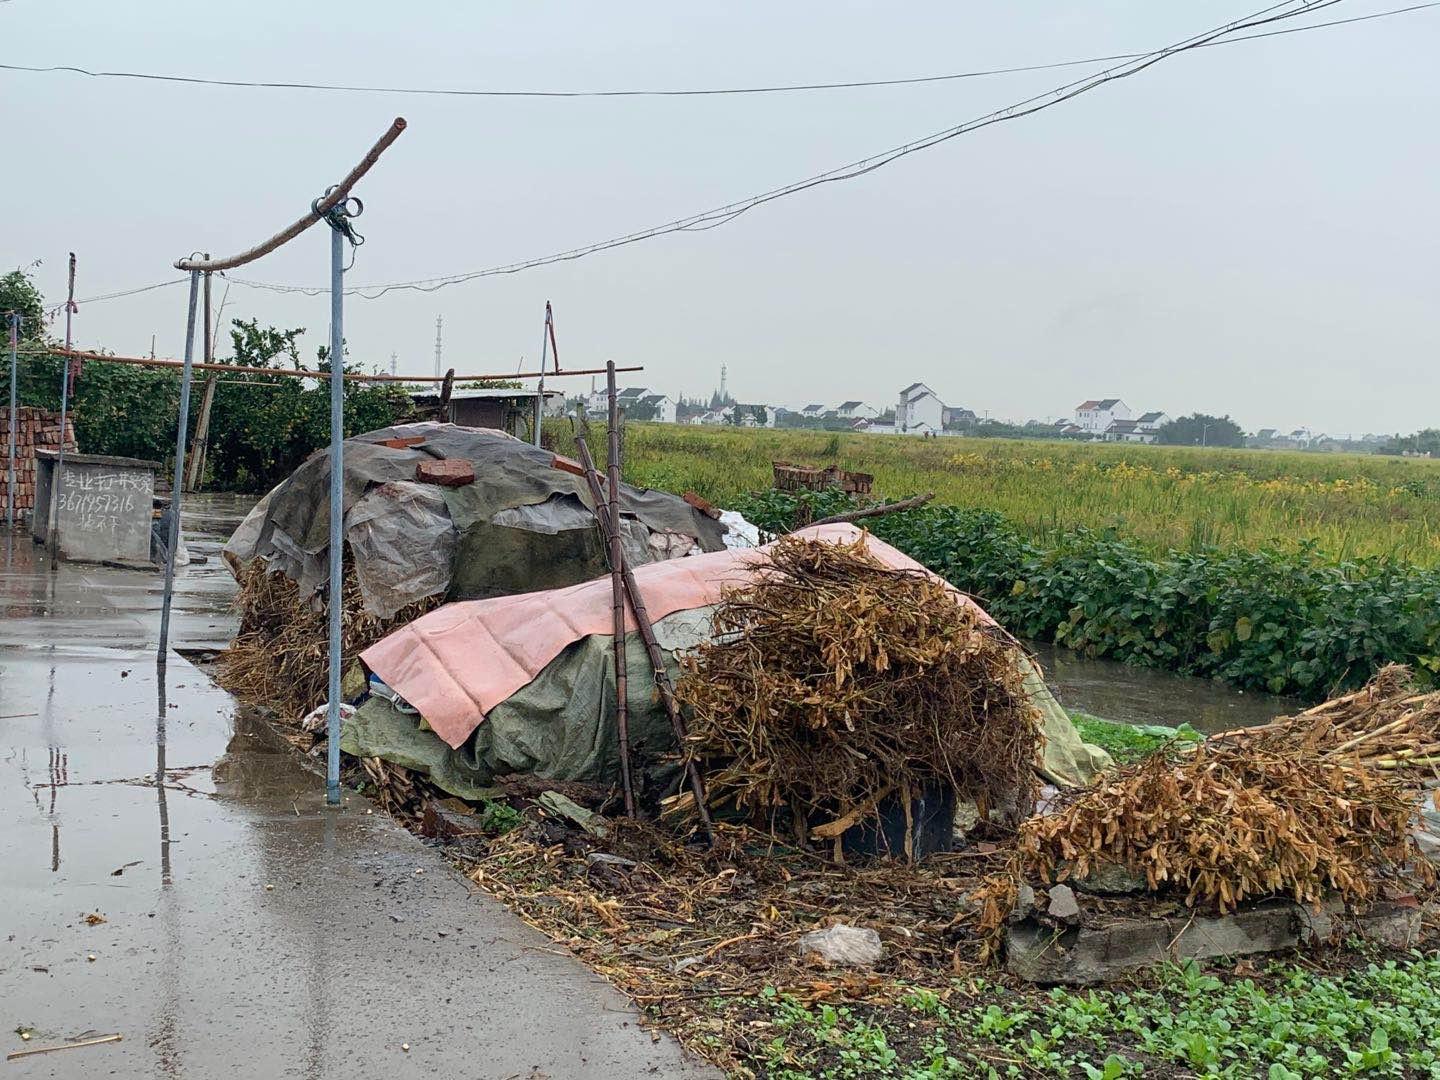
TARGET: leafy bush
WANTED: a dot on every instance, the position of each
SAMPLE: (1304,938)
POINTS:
(1282,619)
(261,426)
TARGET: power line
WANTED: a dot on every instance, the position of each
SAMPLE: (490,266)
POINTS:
(131,292)
(722,215)
(787,88)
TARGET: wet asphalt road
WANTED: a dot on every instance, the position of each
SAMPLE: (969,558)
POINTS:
(248,931)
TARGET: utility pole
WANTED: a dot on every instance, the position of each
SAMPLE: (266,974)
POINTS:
(57,483)
(13,318)
(439,322)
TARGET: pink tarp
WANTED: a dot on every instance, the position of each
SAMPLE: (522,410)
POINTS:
(460,661)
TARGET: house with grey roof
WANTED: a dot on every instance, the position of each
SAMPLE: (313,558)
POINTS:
(1095,415)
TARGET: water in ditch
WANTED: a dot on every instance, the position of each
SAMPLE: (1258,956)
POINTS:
(1136,695)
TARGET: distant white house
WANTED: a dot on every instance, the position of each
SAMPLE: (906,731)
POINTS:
(633,399)
(659,407)
(1146,429)
(1097,414)
(856,410)
(749,415)
(874,427)
(919,411)
(1153,421)
(1127,431)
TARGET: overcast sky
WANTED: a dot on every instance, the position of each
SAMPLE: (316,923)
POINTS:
(1247,229)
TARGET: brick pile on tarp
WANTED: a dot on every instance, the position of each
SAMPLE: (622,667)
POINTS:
(35,429)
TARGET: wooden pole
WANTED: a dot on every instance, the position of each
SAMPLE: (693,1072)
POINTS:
(300,373)
(200,444)
(652,646)
(876,511)
(321,207)
(33,1050)
(617,589)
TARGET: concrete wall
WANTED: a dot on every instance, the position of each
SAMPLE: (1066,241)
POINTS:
(104,512)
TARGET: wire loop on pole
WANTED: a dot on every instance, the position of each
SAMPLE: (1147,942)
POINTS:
(339,216)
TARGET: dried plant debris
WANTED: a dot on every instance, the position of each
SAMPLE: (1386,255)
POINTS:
(280,656)
(1309,805)
(680,928)
(835,681)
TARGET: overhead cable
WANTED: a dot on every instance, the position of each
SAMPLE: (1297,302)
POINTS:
(784,88)
(722,215)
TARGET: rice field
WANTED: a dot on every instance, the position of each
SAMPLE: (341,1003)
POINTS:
(1348,505)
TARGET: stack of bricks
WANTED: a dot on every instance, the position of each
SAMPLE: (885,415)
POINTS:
(34,429)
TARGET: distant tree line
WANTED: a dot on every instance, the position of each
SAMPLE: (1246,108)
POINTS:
(1201,429)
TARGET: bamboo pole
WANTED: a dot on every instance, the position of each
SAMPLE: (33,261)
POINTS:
(617,589)
(652,646)
(199,444)
(321,207)
(300,373)
(33,1050)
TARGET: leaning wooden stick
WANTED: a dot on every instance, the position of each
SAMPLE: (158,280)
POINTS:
(652,646)
(876,511)
(62,1046)
(617,586)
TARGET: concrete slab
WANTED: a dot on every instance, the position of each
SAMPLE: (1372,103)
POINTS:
(1086,955)
(249,930)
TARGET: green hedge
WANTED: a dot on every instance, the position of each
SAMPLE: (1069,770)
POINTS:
(1282,620)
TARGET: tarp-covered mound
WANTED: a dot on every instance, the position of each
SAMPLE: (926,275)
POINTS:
(521,525)
(526,683)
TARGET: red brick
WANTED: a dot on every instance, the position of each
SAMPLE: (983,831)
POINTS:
(447,472)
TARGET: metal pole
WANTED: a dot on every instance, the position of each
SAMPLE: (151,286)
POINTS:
(57,484)
(337,509)
(14,319)
(172,540)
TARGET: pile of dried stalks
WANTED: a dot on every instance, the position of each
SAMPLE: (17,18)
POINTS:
(280,657)
(1303,806)
(835,681)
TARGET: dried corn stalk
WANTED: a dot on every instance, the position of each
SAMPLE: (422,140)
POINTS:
(834,680)
(280,656)
(1308,804)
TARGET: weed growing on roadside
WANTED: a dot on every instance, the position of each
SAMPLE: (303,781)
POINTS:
(1382,1020)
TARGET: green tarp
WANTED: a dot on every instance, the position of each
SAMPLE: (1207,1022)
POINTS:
(561,726)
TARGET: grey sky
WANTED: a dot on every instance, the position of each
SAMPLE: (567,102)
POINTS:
(1249,229)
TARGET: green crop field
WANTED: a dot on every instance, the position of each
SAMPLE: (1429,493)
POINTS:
(1160,497)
